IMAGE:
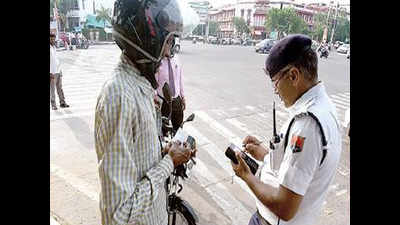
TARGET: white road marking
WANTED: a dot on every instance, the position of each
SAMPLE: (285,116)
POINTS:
(75,182)
(218,127)
(341,192)
(218,155)
(220,194)
(67,116)
(340,98)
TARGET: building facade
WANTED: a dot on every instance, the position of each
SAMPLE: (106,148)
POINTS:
(254,12)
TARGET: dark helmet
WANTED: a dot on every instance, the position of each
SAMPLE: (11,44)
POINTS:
(142,27)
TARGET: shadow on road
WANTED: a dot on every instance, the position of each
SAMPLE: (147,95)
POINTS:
(82,131)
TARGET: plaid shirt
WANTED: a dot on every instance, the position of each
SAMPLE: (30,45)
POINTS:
(131,169)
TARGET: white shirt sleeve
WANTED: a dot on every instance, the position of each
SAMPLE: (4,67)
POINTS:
(53,66)
(299,165)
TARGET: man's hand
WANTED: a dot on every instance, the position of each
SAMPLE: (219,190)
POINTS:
(241,169)
(253,146)
(157,101)
(179,153)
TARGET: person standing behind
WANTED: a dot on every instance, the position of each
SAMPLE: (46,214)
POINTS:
(55,76)
(292,184)
(171,72)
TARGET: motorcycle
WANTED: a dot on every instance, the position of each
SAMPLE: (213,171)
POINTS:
(179,210)
(324,53)
(83,44)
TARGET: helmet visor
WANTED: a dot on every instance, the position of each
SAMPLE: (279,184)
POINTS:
(167,16)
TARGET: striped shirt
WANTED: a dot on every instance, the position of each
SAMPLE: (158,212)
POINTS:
(131,170)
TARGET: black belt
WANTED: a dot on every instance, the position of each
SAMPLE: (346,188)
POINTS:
(262,220)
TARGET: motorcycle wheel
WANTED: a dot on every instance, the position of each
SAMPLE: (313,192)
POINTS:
(182,218)
(183,213)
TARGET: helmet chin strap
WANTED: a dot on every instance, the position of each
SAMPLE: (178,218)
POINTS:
(150,57)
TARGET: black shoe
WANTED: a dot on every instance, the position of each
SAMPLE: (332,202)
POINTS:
(54,107)
(64,105)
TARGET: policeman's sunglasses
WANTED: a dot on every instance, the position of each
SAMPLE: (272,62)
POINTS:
(280,74)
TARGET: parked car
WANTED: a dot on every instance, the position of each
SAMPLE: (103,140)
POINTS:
(248,42)
(236,41)
(265,45)
(213,40)
(227,41)
(343,48)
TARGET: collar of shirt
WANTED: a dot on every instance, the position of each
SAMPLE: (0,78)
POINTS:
(126,66)
(306,99)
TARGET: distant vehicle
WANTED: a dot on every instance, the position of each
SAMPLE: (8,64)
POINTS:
(265,45)
(212,40)
(338,44)
(314,45)
(248,42)
(226,41)
(177,46)
(236,41)
(343,49)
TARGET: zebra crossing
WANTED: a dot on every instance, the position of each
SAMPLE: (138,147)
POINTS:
(213,130)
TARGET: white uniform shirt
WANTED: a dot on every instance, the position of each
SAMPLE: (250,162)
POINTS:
(55,66)
(301,171)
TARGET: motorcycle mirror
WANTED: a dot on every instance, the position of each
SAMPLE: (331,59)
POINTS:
(167,93)
(190,118)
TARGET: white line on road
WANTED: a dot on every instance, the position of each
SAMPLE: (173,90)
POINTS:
(341,98)
(218,127)
(67,116)
(341,192)
(75,182)
(218,155)
(232,208)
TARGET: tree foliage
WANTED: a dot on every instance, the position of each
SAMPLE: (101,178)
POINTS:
(342,31)
(319,26)
(213,28)
(241,25)
(104,14)
(285,21)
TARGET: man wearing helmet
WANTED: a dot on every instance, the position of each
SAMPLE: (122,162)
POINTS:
(131,168)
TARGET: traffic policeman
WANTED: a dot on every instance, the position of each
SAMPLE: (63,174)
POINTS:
(292,183)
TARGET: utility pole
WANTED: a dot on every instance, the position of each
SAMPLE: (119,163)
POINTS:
(325,37)
(334,25)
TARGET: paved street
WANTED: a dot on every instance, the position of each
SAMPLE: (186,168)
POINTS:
(227,90)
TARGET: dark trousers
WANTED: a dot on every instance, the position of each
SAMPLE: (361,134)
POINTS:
(176,114)
(56,82)
(256,220)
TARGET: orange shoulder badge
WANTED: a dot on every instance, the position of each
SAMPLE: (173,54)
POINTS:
(296,144)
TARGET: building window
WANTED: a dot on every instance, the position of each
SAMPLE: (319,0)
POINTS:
(75,5)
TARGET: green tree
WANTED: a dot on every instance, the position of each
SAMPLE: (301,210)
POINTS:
(240,25)
(213,28)
(103,14)
(342,31)
(319,25)
(285,21)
